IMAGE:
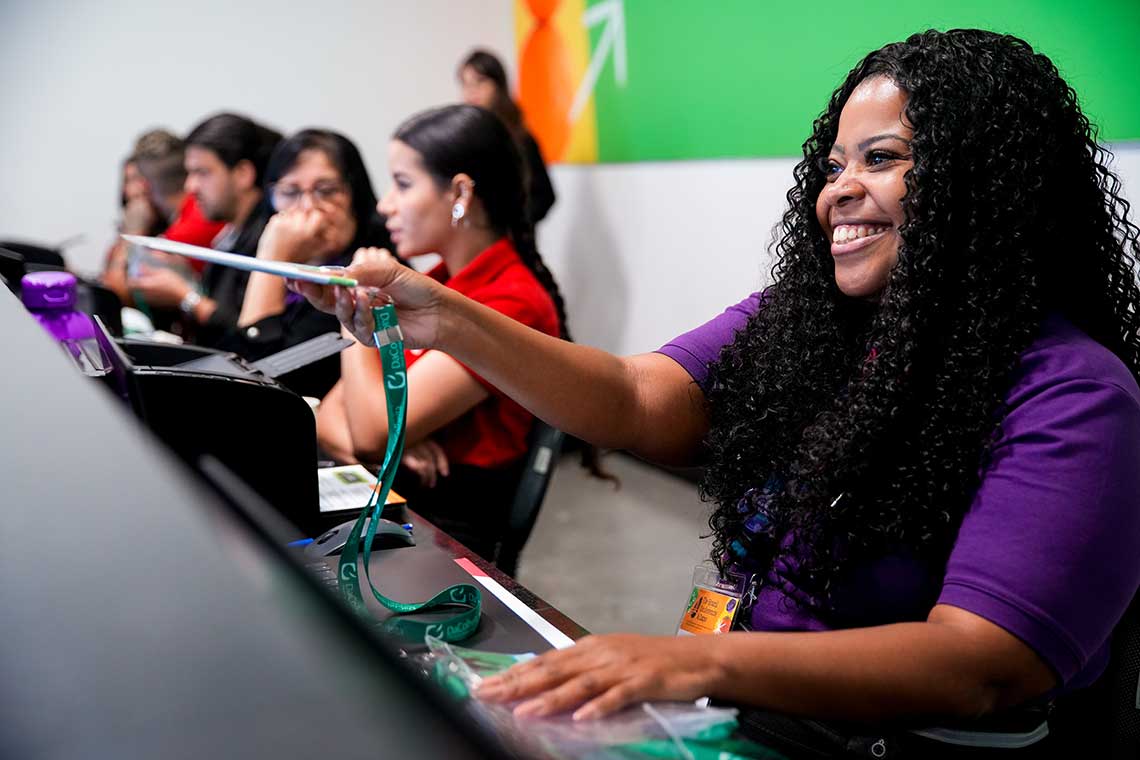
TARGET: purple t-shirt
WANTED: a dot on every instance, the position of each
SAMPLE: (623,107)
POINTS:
(1050,546)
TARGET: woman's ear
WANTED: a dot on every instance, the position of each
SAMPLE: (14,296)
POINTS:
(462,188)
(463,193)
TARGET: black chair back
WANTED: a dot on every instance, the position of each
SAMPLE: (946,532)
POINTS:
(12,269)
(1103,720)
(37,258)
(96,300)
(545,448)
(1124,685)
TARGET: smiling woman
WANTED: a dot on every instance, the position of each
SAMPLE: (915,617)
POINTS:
(860,208)
(921,441)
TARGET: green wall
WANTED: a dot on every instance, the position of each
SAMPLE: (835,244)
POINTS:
(741,78)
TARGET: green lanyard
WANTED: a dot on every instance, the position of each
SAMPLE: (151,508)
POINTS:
(390,344)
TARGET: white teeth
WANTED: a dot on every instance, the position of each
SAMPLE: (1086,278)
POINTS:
(847,232)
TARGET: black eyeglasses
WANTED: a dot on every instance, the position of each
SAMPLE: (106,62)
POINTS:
(323,194)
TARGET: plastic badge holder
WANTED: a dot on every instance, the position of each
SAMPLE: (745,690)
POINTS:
(649,729)
(139,256)
(715,601)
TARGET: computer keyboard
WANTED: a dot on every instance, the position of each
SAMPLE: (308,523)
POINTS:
(295,357)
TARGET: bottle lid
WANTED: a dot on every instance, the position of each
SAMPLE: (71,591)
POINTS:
(48,290)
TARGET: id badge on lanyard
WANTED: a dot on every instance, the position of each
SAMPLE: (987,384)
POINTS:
(715,601)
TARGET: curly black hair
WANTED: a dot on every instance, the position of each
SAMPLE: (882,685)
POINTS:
(1011,212)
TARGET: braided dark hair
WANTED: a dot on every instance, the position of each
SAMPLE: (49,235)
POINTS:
(1011,213)
(465,139)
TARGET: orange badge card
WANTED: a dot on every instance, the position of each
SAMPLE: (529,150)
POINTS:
(708,611)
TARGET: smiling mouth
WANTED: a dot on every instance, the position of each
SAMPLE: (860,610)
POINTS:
(849,238)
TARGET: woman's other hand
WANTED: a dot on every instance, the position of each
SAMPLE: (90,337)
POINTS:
(604,674)
(428,461)
(297,235)
(160,287)
(139,216)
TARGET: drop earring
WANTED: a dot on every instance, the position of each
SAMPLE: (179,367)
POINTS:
(457,212)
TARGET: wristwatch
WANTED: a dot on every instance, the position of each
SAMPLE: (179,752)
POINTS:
(189,302)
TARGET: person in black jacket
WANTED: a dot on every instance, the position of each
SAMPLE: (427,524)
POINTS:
(314,204)
(483,82)
(325,208)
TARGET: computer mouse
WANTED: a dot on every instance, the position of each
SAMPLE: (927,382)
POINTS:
(389,535)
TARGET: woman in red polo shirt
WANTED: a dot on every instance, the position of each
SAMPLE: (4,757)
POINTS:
(457,190)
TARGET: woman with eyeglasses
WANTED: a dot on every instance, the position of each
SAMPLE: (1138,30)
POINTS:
(325,208)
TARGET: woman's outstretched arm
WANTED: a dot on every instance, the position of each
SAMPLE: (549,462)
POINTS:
(647,404)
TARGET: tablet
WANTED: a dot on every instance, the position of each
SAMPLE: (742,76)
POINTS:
(321,275)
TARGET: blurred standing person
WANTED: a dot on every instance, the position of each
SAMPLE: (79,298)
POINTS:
(483,83)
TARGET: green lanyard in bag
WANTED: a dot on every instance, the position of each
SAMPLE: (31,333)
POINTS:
(390,344)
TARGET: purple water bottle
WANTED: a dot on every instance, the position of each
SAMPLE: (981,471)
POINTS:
(50,297)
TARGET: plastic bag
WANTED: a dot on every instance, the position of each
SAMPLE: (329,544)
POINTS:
(650,729)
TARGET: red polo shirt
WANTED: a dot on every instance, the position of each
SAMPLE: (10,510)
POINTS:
(191,226)
(495,432)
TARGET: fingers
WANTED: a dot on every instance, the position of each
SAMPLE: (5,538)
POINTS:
(560,681)
(622,694)
(434,462)
(440,457)
(423,461)
(434,451)
(371,255)
(373,266)
(344,304)
(147,278)
(600,675)
(321,297)
(315,224)
(532,677)
(570,694)
(354,310)
(428,472)
(421,465)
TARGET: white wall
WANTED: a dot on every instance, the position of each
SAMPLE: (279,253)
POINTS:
(642,251)
(645,252)
(82,79)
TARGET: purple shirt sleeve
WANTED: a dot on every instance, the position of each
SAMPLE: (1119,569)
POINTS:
(696,349)
(1048,549)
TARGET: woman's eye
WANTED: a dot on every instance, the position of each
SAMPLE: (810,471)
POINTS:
(829,169)
(880,157)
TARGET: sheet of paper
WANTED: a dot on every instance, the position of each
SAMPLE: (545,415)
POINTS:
(348,487)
